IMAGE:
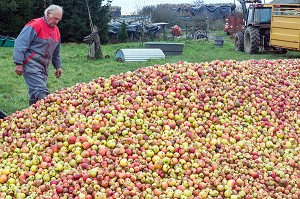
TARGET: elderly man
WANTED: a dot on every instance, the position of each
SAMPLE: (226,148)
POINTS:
(35,48)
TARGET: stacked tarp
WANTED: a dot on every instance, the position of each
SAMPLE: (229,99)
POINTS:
(114,28)
(135,30)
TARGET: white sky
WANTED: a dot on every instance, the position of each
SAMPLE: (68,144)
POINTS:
(130,6)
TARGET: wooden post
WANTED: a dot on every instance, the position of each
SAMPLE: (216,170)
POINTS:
(98,50)
(95,51)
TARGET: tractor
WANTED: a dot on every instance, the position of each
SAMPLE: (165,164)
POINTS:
(256,34)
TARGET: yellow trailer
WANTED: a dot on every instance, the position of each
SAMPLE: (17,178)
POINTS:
(269,27)
(285,27)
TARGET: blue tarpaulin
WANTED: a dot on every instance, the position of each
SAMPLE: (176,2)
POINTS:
(211,11)
(135,30)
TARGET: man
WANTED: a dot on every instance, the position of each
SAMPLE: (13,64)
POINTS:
(37,45)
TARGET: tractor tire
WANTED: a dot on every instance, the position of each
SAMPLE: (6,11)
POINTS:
(200,34)
(280,51)
(239,41)
(251,40)
(283,51)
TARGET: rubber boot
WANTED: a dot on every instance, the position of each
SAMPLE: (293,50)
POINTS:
(32,102)
(42,96)
(2,115)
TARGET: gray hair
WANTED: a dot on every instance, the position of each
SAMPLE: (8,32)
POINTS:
(52,8)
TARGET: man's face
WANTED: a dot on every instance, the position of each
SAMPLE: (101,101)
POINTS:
(54,18)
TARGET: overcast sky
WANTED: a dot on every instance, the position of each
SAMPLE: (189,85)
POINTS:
(130,6)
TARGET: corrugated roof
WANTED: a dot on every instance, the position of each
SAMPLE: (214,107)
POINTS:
(139,54)
(285,1)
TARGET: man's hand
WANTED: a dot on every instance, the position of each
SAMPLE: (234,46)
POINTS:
(19,70)
(58,73)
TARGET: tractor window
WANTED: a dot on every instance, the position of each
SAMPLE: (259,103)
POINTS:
(263,15)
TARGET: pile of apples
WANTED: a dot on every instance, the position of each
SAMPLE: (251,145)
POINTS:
(220,129)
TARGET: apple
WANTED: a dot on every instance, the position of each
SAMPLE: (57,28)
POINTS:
(218,129)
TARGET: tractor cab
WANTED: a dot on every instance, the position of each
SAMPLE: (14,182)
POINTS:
(256,14)
(259,15)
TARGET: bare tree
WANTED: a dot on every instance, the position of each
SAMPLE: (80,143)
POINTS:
(161,13)
(198,2)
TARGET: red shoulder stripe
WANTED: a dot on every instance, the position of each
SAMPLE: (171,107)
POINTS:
(44,31)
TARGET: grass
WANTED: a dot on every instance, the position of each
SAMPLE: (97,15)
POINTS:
(77,68)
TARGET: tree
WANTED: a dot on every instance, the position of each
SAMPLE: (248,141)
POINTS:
(101,16)
(161,13)
(75,22)
(147,10)
(74,25)
(14,15)
(123,36)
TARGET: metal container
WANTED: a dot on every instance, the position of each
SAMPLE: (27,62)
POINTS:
(219,41)
(2,40)
(167,48)
(8,43)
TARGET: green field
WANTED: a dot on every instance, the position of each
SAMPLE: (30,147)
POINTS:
(77,68)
